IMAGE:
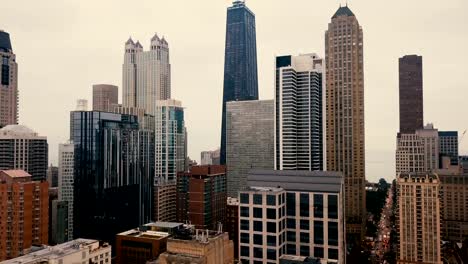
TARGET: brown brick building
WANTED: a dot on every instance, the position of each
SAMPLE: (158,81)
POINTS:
(202,196)
(140,245)
(24,217)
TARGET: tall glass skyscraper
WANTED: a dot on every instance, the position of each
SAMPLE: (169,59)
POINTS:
(113,174)
(240,62)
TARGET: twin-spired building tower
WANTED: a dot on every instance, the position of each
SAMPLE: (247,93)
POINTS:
(345,112)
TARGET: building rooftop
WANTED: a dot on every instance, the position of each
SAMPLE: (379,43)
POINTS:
(144,234)
(343,11)
(17,131)
(16,173)
(232,201)
(265,189)
(57,252)
(164,224)
(5,43)
(290,180)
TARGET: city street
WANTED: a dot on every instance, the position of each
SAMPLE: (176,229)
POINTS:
(382,244)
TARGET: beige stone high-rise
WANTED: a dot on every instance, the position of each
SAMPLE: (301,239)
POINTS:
(345,113)
(8,82)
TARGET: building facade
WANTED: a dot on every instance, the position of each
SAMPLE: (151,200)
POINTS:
(313,217)
(448,146)
(113,174)
(419,218)
(454,210)
(298,112)
(210,157)
(232,223)
(22,148)
(165,194)
(24,222)
(345,112)
(52,176)
(8,82)
(65,181)
(202,197)
(240,62)
(76,251)
(411,94)
(140,245)
(169,140)
(249,140)
(105,97)
(146,74)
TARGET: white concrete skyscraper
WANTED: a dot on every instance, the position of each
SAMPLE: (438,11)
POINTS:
(146,74)
(65,180)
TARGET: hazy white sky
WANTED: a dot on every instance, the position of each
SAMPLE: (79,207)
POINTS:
(65,46)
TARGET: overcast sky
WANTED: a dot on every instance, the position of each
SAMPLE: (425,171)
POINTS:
(65,46)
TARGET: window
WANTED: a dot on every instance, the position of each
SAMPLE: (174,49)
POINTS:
(271,213)
(333,206)
(271,254)
(257,212)
(318,205)
(318,252)
(304,237)
(305,224)
(291,223)
(244,198)
(318,232)
(333,233)
(291,249)
(291,236)
(244,224)
(271,227)
(258,239)
(304,204)
(244,251)
(258,226)
(271,199)
(257,199)
(258,252)
(305,251)
(332,253)
(244,211)
(244,238)
(271,241)
(291,204)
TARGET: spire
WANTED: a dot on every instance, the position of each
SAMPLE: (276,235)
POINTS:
(130,41)
(343,11)
(5,43)
(138,44)
(155,37)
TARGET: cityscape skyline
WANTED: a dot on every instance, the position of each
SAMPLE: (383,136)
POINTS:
(381,70)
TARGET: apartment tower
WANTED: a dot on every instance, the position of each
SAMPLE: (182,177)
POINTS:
(8,82)
(345,112)
(240,62)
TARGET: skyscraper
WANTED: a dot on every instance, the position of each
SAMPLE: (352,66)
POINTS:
(8,82)
(249,140)
(240,62)
(22,148)
(146,74)
(105,97)
(411,93)
(298,113)
(113,174)
(448,146)
(345,112)
(170,140)
(65,180)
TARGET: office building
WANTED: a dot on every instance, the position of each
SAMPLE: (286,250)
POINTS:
(170,140)
(140,245)
(201,196)
(22,148)
(76,251)
(310,208)
(8,82)
(210,157)
(411,94)
(418,152)
(164,197)
(146,74)
(240,62)
(105,97)
(52,176)
(113,174)
(448,146)
(249,140)
(298,112)
(201,247)
(232,223)
(66,161)
(418,218)
(344,59)
(58,218)
(25,221)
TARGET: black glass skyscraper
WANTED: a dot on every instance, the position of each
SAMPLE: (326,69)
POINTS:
(240,62)
(113,174)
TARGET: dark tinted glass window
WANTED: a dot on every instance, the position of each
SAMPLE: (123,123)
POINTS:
(258,239)
(244,251)
(271,227)
(244,224)
(291,236)
(333,206)
(318,232)
(271,213)
(271,241)
(305,251)
(304,204)
(304,237)
(244,211)
(244,238)
(333,233)
(318,252)
(305,225)
(258,252)
(291,204)
(332,253)
(271,254)
(318,205)
(291,249)
(257,212)
(244,198)
(291,223)
(257,199)
(258,226)
(271,199)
